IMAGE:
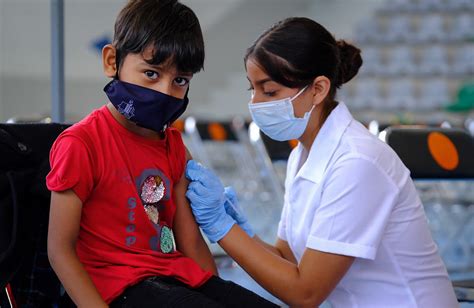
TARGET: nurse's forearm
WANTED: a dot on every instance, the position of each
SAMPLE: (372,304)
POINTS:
(280,248)
(276,274)
(269,247)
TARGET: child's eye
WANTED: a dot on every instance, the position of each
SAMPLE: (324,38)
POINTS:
(151,74)
(180,81)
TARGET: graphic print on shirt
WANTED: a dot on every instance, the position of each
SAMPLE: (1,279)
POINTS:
(153,187)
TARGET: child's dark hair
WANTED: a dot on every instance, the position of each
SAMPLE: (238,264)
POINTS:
(169,27)
(296,50)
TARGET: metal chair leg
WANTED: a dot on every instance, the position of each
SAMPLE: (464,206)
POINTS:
(11,300)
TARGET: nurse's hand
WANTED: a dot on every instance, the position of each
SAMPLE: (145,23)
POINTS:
(206,195)
(233,209)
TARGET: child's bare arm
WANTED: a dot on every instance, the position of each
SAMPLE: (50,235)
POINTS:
(189,239)
(64,222)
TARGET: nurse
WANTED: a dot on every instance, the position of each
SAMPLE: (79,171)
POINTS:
(352,229)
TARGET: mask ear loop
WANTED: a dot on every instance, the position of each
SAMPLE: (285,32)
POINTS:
(298,94)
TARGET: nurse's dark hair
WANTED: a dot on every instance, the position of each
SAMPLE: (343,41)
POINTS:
(169,27)
(296,50)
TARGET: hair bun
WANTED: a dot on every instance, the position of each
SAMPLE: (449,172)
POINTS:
(350,62)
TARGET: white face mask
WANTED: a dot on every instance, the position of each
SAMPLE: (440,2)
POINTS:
(277,118)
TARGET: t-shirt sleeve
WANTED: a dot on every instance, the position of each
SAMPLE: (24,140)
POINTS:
(177,153)
(355,206)
(71,167)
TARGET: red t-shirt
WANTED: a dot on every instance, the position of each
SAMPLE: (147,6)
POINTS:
(115,173)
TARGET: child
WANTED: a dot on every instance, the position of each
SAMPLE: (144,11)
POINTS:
(121,231)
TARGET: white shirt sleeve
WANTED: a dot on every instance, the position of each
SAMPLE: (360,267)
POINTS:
(356,203)
(281,233)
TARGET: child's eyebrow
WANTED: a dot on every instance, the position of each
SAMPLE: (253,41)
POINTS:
(163,67)
(145,63)
(188,74)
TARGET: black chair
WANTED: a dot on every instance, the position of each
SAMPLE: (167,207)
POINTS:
(24,212)
(425,150)
(437,153)
(278,150)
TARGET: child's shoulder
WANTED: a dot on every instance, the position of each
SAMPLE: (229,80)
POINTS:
(173,133)
(178,150)
(174,137)
(88,128)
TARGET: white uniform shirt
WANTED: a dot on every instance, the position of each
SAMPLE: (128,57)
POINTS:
(353,196)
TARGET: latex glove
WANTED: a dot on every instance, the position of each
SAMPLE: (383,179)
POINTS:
(206,195)
(233,209)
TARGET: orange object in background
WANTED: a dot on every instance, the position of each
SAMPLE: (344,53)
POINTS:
(179,125)
(443,151)
(217,132)
(293,143)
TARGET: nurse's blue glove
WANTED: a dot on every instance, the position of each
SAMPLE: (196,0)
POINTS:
(206,195)
(233,209)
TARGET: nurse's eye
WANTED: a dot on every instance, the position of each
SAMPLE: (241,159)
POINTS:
(151,75)
(269,93)
(181,81)
(252,91)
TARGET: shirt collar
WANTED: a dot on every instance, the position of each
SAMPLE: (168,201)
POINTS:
(325,144)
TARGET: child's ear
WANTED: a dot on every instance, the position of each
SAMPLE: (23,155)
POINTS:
(109,61)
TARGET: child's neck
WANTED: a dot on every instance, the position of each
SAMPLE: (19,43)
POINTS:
(144,132)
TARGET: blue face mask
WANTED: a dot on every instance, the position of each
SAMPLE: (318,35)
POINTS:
(277,118)
(143,106)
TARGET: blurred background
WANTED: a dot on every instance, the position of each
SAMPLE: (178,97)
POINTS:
(229,27)
(418,70)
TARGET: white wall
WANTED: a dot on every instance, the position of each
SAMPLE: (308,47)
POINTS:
(230,26)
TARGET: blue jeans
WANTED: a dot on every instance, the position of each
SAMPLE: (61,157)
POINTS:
(169,292)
